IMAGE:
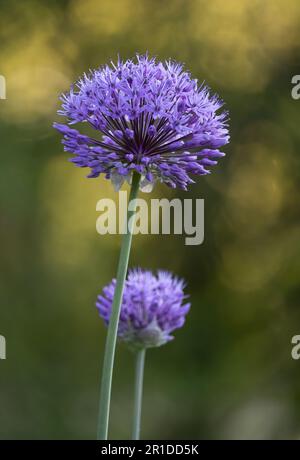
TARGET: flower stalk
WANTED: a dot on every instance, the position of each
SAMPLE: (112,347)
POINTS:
(110,346)
(138,393)
(153,123)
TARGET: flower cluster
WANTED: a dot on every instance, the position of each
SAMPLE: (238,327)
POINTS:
(153,306)
(147,116)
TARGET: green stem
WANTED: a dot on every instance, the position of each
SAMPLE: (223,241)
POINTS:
(110,346)
(138,393)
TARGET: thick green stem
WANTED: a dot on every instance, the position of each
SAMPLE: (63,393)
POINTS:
(110,346)
(138,393)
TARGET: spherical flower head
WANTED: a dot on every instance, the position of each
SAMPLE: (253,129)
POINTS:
(153,306)
(149,117)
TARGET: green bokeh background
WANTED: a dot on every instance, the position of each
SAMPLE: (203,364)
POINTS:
(229,373)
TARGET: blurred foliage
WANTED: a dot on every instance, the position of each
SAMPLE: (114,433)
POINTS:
(229,373)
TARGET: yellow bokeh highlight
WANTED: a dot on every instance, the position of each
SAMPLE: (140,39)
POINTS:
(239,41)
(256,190)
(68,211)
(104,18)
(35,69)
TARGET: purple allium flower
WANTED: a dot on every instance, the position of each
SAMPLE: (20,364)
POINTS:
(148,116)
(153,306)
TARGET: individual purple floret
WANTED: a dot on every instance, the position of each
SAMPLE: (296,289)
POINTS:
(153,306)
(148,116)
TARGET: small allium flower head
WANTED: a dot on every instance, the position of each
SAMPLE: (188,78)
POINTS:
(153,306)
(149,117)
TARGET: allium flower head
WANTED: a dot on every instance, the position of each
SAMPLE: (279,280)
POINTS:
(148,116)
(153,306)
